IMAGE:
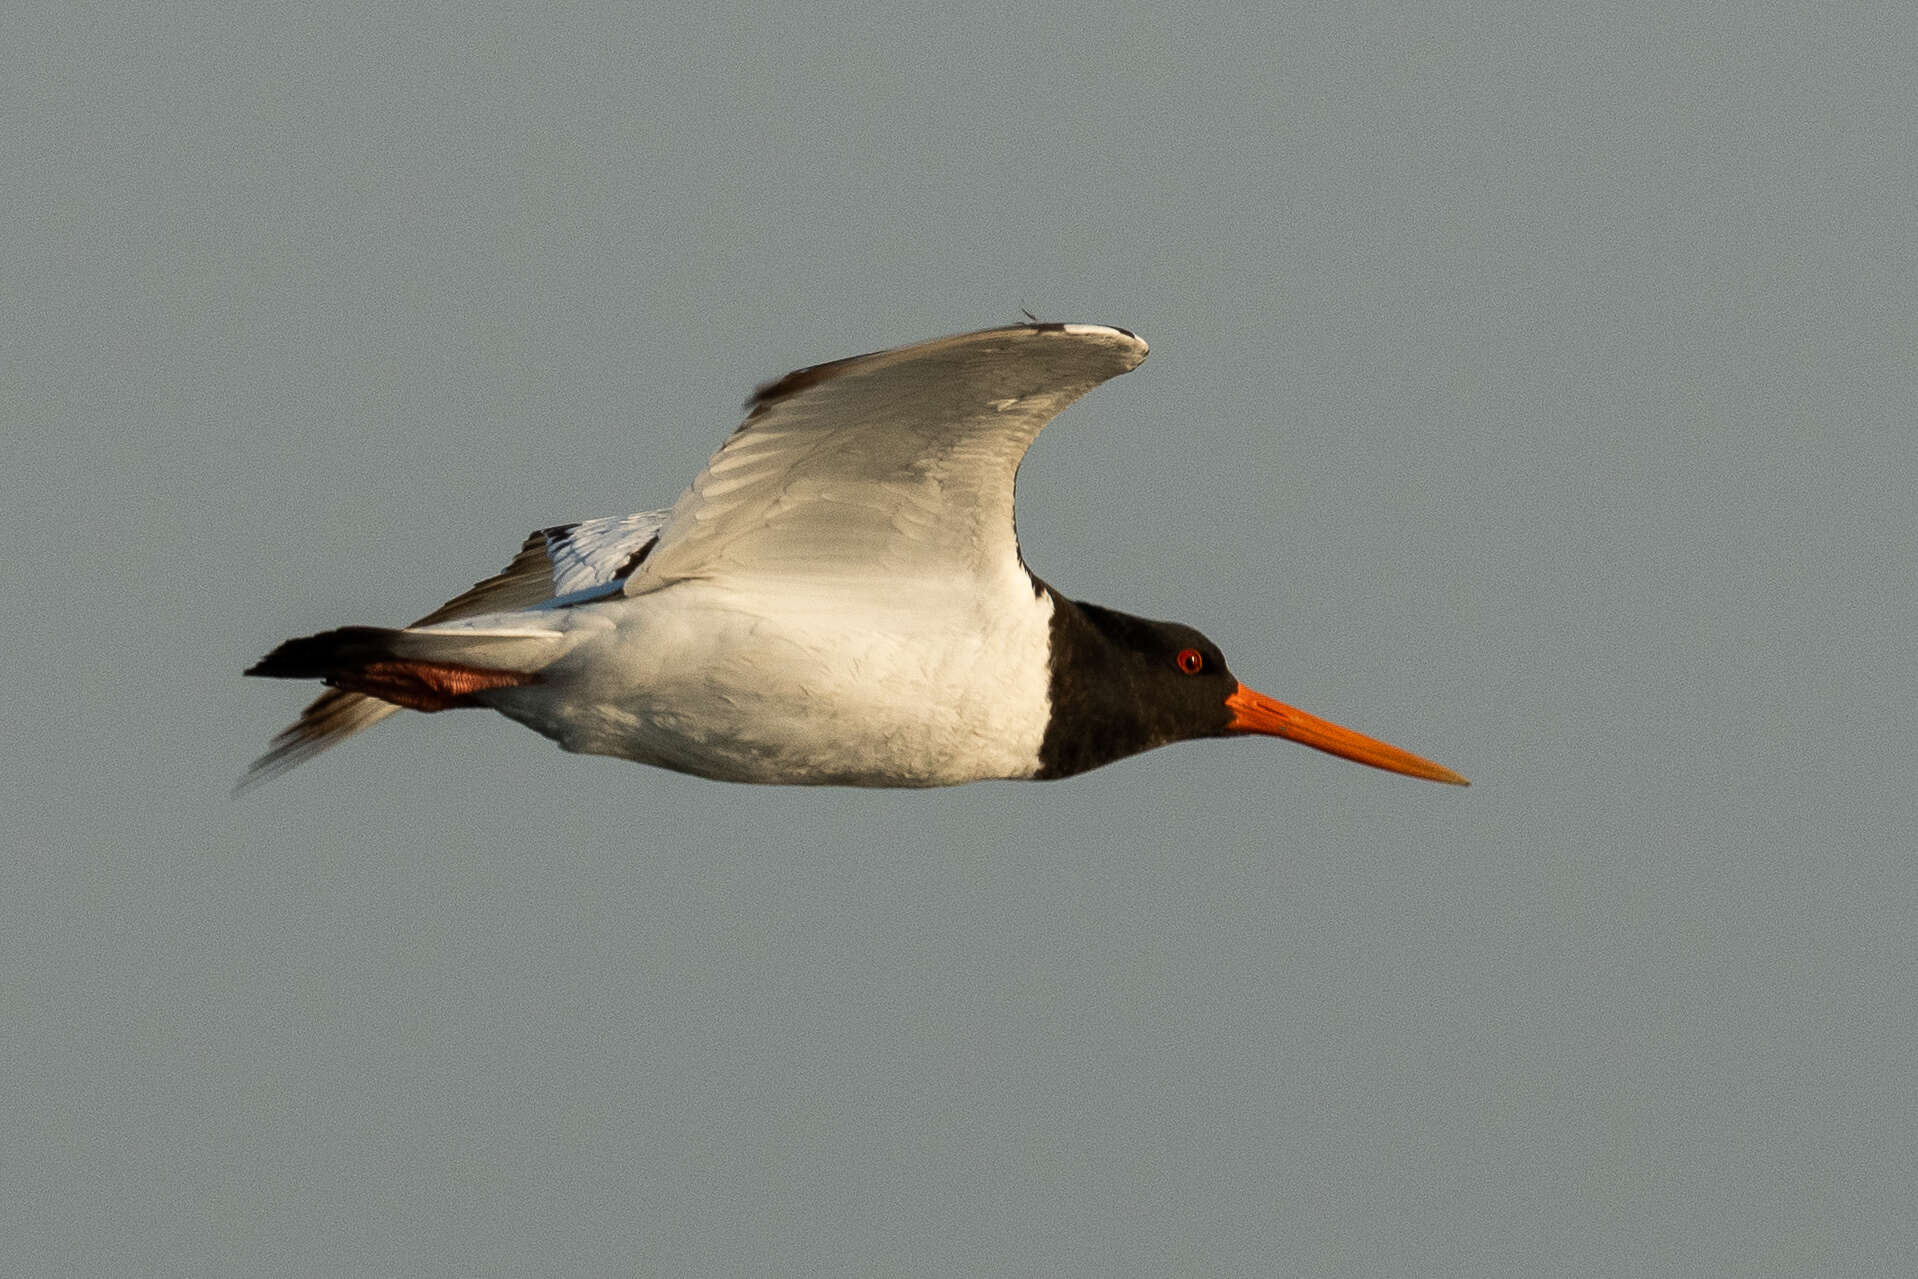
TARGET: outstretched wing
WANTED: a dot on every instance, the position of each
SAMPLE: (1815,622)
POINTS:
(889,469)
(568,564)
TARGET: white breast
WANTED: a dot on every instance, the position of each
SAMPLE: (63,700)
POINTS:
(775,681)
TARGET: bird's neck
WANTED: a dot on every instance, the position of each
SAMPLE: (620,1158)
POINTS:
(1097,713)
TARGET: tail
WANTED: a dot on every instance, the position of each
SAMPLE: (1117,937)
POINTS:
(360,661)
(375,671)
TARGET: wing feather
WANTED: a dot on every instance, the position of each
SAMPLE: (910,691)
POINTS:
(893,468)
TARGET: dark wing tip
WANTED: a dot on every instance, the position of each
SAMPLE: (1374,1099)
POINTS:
(336,716)
(798,380)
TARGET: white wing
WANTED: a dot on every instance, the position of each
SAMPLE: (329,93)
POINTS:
(884,468)
(565,564)
(595,554)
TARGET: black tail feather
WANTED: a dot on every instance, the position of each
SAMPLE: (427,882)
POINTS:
(326,654)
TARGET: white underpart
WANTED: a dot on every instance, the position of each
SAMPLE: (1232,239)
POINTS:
(761,682)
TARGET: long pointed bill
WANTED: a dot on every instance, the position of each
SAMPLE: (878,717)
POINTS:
(1256,713)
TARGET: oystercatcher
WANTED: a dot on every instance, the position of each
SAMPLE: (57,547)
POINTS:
(838,599)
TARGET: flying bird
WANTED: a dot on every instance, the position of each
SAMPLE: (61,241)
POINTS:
(838,599)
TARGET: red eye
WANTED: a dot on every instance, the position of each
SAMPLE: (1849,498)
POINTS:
(1190,660)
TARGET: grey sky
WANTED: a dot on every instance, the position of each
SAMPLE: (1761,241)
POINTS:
(1531,387)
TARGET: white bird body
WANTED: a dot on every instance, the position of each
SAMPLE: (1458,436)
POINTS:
(924,690)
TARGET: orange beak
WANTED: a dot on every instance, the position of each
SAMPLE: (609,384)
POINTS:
(1256,713)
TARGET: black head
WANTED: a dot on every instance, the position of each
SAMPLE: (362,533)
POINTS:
(1123,684)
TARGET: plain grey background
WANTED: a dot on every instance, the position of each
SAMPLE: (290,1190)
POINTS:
(1531,386)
